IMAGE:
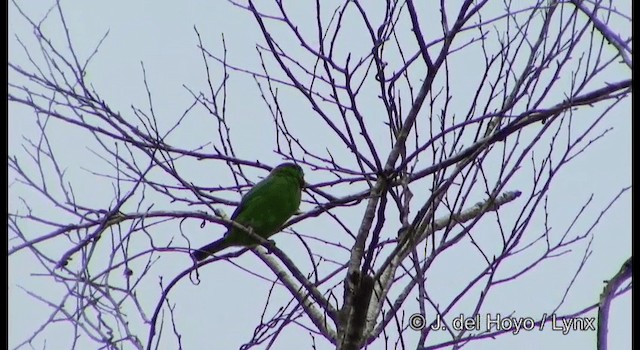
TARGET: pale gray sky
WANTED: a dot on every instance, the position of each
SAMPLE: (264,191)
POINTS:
(226,306)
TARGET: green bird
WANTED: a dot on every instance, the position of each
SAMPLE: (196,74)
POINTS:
(264,209)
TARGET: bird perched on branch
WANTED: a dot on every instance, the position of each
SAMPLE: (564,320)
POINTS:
(264,209)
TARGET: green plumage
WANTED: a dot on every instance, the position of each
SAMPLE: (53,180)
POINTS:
(264,209)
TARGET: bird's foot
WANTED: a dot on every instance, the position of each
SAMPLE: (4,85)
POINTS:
(269,244)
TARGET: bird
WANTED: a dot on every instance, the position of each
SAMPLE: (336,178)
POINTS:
(263,210)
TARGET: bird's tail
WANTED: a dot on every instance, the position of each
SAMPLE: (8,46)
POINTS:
(209,249)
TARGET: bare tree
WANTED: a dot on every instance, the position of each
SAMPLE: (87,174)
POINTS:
(436,157)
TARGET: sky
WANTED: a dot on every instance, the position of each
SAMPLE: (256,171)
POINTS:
(225,306)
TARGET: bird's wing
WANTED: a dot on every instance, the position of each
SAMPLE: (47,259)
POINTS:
(248,197)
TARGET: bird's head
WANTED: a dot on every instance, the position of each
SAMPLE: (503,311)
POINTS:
(289,169)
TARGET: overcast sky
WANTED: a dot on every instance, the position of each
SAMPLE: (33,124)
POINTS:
(224,308)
